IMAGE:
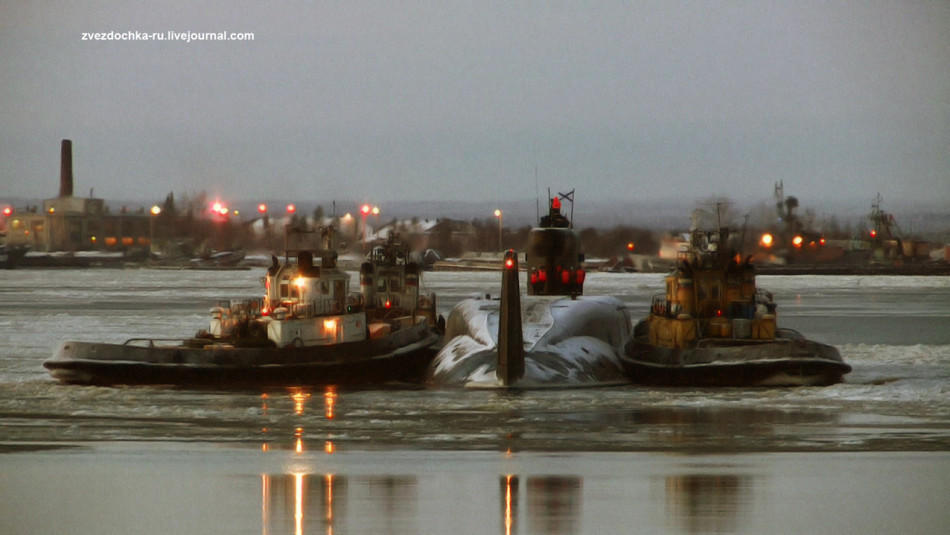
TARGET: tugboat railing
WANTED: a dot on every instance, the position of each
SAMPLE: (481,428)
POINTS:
(151,341)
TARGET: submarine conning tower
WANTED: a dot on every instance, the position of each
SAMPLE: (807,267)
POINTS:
(554,259)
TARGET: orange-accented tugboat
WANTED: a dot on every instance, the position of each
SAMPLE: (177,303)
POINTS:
(713,327)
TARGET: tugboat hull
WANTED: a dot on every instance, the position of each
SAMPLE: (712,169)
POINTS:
(788,360)
(402,356)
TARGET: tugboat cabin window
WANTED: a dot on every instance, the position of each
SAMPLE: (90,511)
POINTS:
(284,288)
(394,285)
(381,284)
(339,291)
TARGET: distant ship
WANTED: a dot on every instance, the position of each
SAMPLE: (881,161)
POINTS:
(553,337)
(307,330)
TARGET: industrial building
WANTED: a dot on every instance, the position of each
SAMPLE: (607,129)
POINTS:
(70,223)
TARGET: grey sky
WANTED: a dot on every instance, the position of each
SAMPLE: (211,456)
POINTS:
(445,100)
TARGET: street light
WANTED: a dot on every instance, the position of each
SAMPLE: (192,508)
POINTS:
(498,214)
(364,211)
(156,209)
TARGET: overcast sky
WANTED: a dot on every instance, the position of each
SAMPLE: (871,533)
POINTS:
(465,101)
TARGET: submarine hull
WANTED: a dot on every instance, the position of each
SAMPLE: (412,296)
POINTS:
(567,343)
(788,360)
(402,356)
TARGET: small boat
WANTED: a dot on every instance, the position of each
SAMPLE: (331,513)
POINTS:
(713,327)
(308,329)
(554,337)
(11,255)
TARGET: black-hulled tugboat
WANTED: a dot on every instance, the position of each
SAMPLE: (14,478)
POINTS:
(553,337)
(307,329)
(713,327)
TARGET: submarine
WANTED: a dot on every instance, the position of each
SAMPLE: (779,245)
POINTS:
(552,337)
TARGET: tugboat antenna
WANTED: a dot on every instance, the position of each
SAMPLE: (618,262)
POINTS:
(570,196)
(537,196)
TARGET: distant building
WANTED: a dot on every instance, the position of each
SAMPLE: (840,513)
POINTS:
(69,223)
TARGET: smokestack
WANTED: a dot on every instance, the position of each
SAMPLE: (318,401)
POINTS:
(66,169)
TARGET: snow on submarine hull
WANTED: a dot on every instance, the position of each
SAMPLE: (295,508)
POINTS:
(540,342)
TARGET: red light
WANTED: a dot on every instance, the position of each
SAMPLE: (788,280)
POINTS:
(630,245)
(565,276)
(262,208)
(265,311)
(797,241)
(7,210)
(718,313)
(556,203)
(365,209)
(873,233)
(387,304)
(291,208)
(822,241)
(542,275)
(534,278)
(580,276)
(509,263)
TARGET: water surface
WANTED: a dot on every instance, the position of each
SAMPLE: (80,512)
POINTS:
(867,455)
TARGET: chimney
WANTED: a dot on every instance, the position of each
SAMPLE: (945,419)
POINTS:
(66,169)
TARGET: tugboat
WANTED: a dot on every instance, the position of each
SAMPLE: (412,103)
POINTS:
(308,329)
(554,337)
(713,327)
